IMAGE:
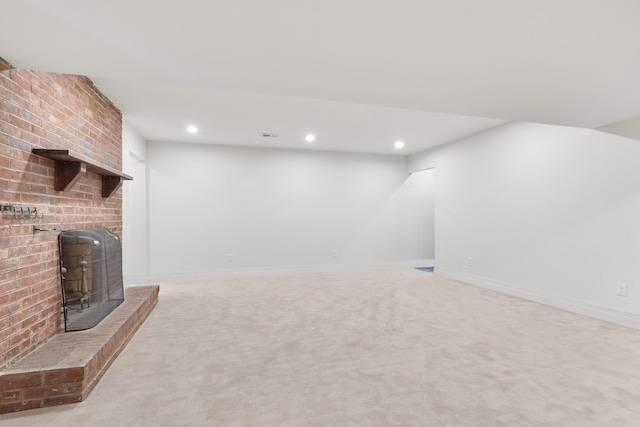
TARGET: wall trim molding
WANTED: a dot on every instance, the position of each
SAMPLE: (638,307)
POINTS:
(262,271)
(618,317)
(135,279)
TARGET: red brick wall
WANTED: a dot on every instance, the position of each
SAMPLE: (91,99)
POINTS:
(4,65)
(47,110)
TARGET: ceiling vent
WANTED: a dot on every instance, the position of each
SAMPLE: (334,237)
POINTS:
(269,135)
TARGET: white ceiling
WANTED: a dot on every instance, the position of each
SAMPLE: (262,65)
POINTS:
(358,73)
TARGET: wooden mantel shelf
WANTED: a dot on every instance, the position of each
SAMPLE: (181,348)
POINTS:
(71,166)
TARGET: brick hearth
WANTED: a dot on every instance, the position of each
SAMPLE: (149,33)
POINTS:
(67,367)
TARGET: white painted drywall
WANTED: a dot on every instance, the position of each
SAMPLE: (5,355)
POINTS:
(547,212)
(275,208)
(134,212)
(421,210)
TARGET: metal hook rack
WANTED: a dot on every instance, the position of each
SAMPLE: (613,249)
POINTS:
(22,212)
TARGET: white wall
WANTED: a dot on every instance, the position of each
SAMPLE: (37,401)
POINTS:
(421,210)
(546,212)
(275,208)
(134,212)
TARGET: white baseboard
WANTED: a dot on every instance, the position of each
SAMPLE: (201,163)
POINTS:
(261,271)
(135,279)
(599,312)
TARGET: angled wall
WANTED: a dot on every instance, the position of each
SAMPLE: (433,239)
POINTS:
(546,212)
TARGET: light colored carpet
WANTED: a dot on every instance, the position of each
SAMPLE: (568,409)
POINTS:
(393,347)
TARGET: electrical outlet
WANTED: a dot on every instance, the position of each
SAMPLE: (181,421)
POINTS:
(621,289)
(230,259)
(335,254)
(469,261)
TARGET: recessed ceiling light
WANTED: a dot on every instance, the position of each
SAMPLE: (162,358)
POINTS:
(192,129)
(310,137)
(399,145)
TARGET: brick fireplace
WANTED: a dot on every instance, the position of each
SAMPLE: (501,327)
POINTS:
(40,110)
